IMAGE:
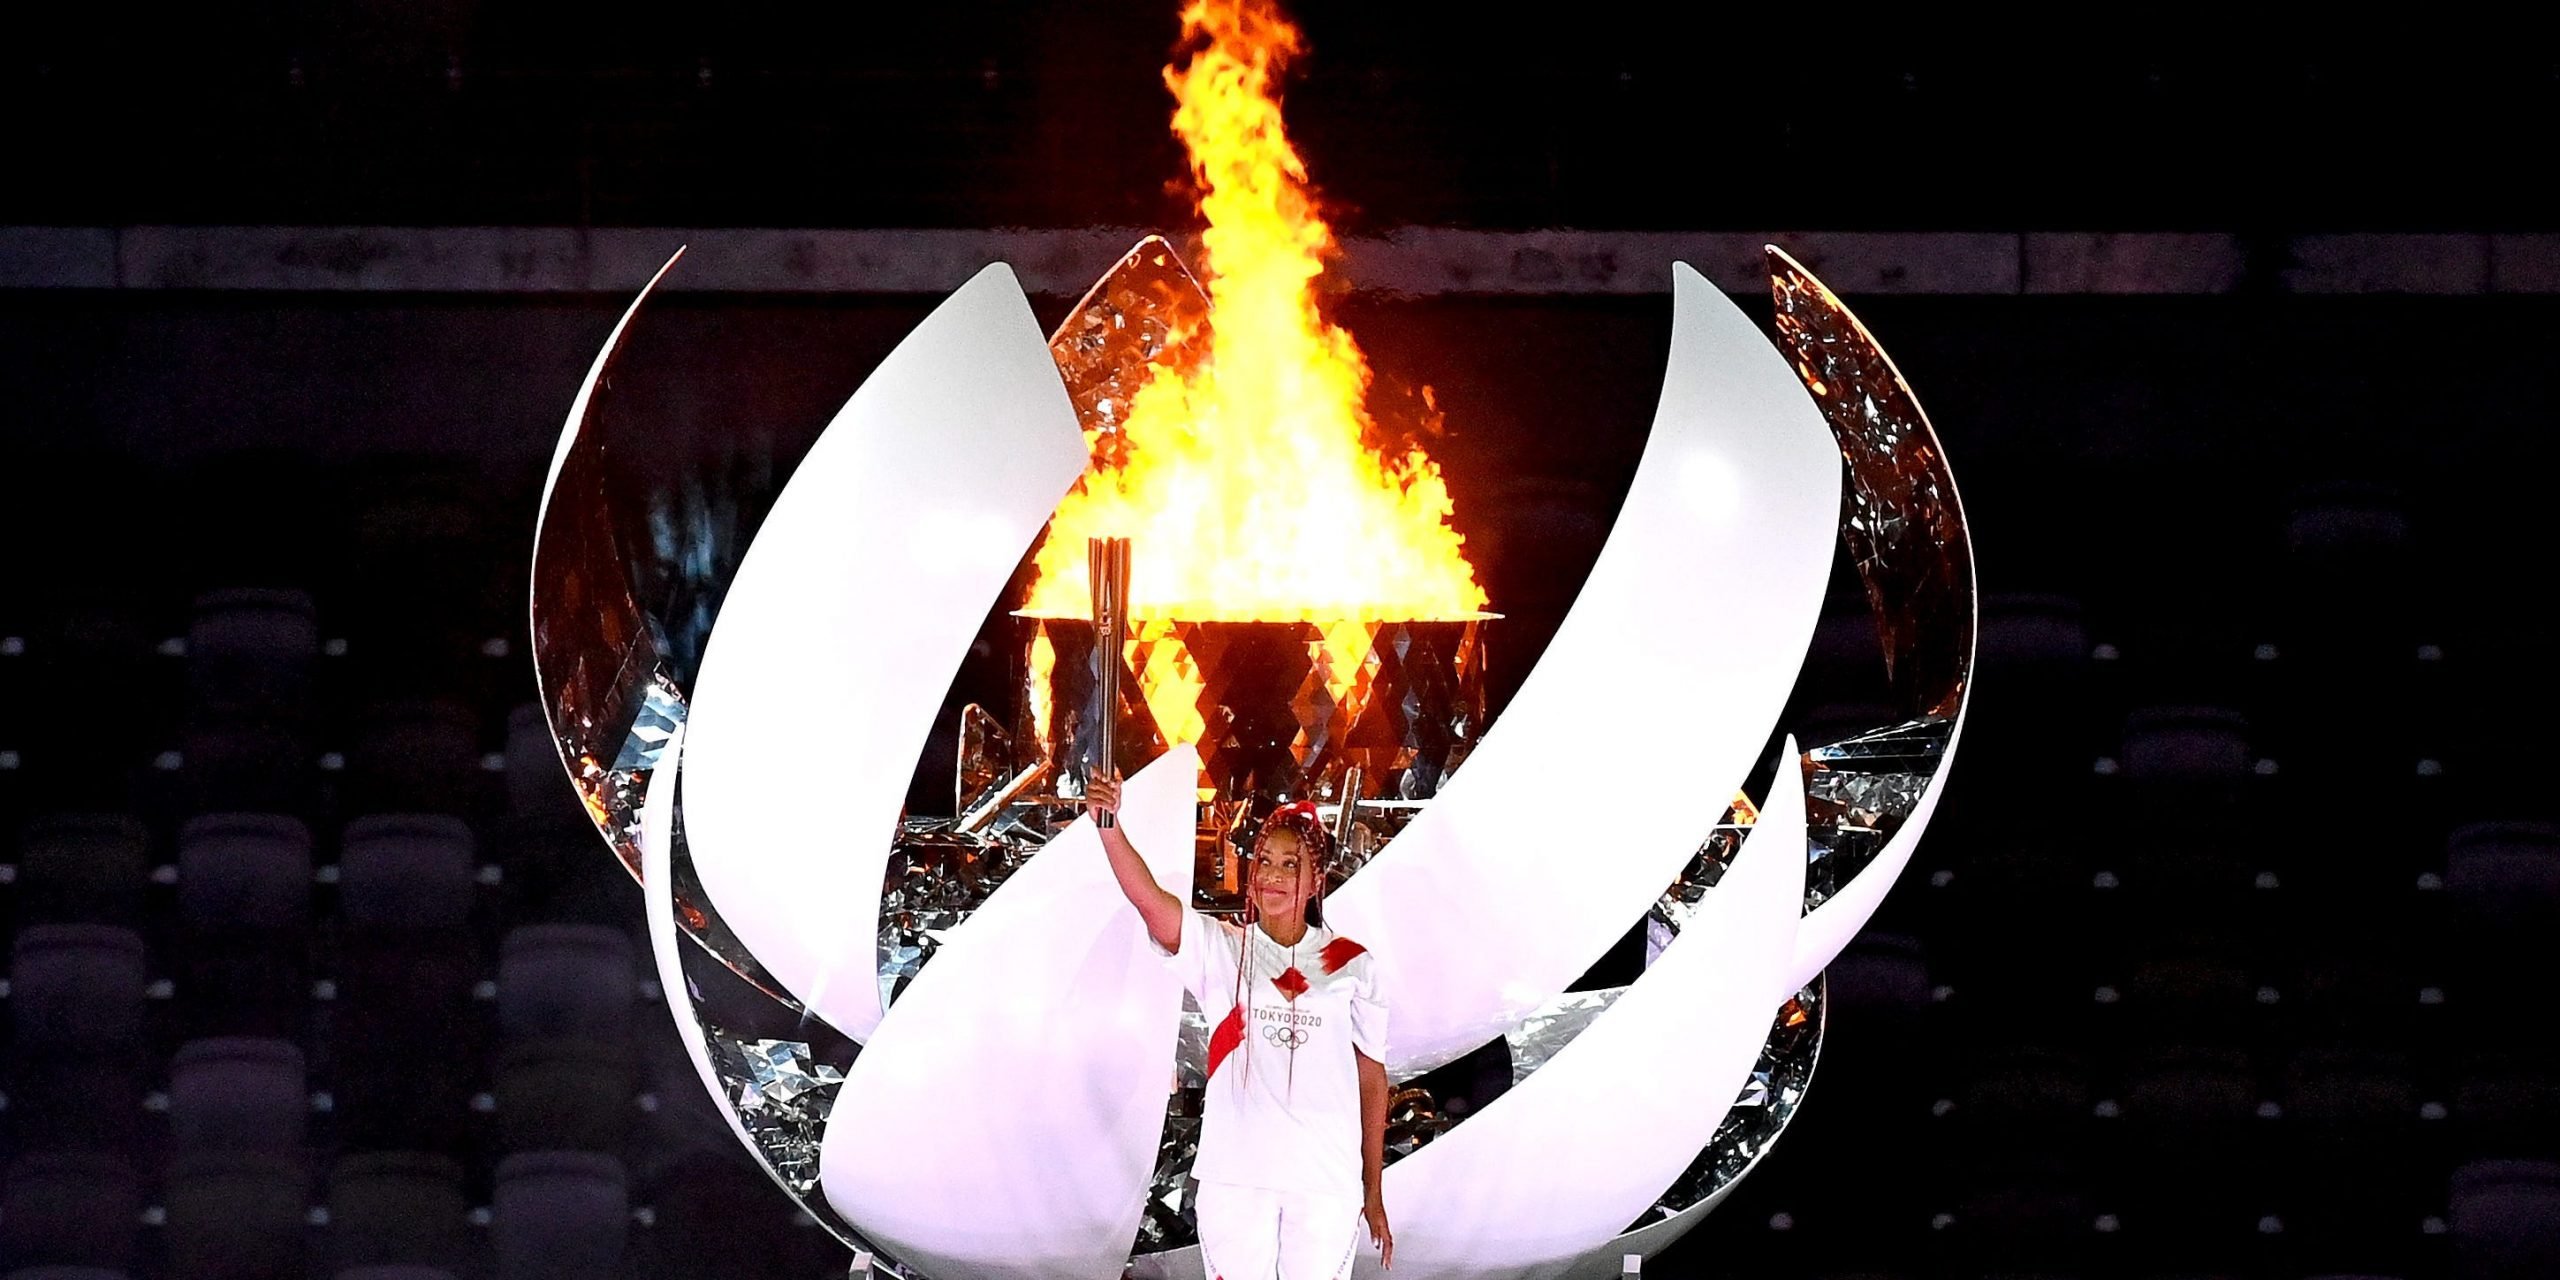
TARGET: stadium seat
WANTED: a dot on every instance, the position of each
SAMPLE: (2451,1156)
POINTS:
(73,1209)
(2503,882)
(243,957)
(79,1036)
(2503,1216)
(2343,594)
(2506,1102)
(719,1216)
(84,868)
(539,797)
(238,1093)
(2193,1153)
(2184,780)
(2193,985)
(400,872)
(237,1216)
(1878,988)
(407,1036)
(560,1215)
(2351,1165)
(566,980)
(399,1208)
(2023,1213)
(250,652)
(247,763)
(88,714)
(414,754)
(2024,1098)
(565,1095)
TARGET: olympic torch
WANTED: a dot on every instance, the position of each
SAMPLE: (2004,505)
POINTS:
(1107,560)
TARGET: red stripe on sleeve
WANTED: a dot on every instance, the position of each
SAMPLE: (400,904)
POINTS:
(1224,1040)
(1341,951)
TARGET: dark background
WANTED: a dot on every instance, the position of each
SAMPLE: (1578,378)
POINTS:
(468,112)
(2226,957)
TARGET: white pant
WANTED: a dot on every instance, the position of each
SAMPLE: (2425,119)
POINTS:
(1247,1233)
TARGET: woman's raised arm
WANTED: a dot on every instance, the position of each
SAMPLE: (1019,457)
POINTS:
(1161,910)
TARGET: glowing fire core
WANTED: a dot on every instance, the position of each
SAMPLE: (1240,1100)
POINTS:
(1245,473)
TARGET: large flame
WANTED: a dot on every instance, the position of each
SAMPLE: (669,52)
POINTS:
(1245,482)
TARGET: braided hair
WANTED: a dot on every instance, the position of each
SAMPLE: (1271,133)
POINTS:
(1298,819)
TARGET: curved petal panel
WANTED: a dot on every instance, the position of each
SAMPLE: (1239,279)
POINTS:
(1904,525)
(1025,1070)
(658,908)
(1829,927)
(847,619)
(1698,612)
(661,852)
(595,649)
(576,426)
(1617,1114)
(617,615)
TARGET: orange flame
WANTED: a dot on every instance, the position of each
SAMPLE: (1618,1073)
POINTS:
(1044,658)
(1246,485)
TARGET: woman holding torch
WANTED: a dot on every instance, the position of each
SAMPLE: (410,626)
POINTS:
(1293,1131)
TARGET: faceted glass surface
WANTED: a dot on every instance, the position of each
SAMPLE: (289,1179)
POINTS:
(1905,526)
(783,1097)
(636,546)
(1275,708)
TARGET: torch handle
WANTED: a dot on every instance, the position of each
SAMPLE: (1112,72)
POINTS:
(1107,563)
(1350,812)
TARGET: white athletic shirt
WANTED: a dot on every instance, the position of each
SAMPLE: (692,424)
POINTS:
(1283,1105)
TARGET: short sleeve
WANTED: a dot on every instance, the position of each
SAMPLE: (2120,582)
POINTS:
(1369,1011)
(1207,961)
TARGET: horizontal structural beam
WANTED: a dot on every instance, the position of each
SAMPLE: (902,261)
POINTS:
(1409,261)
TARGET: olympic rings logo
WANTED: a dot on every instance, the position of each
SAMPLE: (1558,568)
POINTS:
(1285,1037)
